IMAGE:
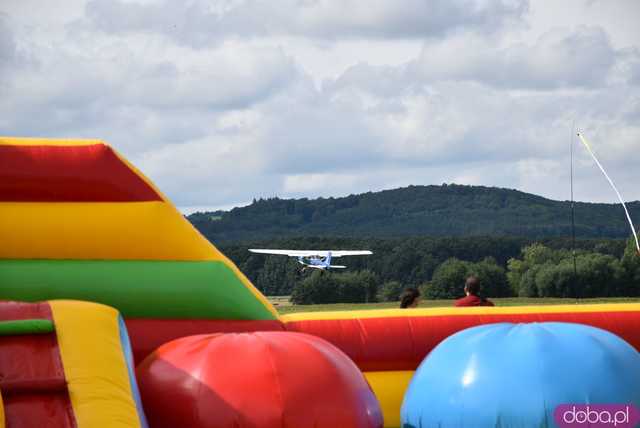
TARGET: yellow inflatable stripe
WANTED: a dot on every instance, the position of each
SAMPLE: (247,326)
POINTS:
(108,231)
(94,365)
(480,310)
(20,141)
(2,423)
(390,388)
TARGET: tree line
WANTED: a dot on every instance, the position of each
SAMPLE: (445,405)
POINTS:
(540,271)
(507,266)
(545,272)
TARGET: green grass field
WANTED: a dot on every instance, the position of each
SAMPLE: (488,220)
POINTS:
(285,307)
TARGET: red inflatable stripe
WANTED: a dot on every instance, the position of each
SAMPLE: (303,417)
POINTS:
(374,344)
(91,173)
(382,344)
(12,311)
(31,410)
(147,335)
(21,386)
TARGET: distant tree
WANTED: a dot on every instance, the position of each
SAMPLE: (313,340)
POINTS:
(600,275)
(317,288)
(493,278)
(631,265)
(390,291)
(521,274)
(553,280)
(370,282)
(516,269)
(356,287)
(544,272)
(328,287)
(448,280)
(278,276)
(527,286)
(538,253)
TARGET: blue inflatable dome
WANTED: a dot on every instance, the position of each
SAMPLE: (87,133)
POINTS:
(515,375)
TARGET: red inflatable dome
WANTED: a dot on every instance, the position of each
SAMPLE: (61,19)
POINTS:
(257,380)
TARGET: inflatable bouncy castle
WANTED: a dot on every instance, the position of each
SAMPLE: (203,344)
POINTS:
(85,234)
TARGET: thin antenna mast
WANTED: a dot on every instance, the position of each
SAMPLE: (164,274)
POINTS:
(573,219)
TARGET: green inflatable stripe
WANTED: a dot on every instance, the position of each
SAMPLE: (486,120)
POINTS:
(138,289)
(32,326)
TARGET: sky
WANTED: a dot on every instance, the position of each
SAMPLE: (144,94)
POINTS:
(220,102)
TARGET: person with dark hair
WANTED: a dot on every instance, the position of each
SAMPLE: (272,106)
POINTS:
(409,298)
(472,291)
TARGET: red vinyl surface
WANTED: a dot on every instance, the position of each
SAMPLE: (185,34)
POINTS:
(24,311)
(32,377)
(147,335)
(38,411)
(250,380)
(91,173)
(381,344)
(374,344)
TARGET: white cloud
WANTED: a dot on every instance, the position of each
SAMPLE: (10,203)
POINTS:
(200,23)
(558,59)
(245,99)
(139,95)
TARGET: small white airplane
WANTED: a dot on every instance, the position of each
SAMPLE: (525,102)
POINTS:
(315,259)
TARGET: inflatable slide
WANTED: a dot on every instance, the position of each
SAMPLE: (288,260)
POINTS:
(66,364)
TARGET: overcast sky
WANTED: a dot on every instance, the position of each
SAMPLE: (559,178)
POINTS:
(220,102)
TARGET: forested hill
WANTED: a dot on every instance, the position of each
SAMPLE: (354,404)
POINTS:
(447,210)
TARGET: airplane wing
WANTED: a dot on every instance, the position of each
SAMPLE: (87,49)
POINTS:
(291,253)
(341,253)
(310,253)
